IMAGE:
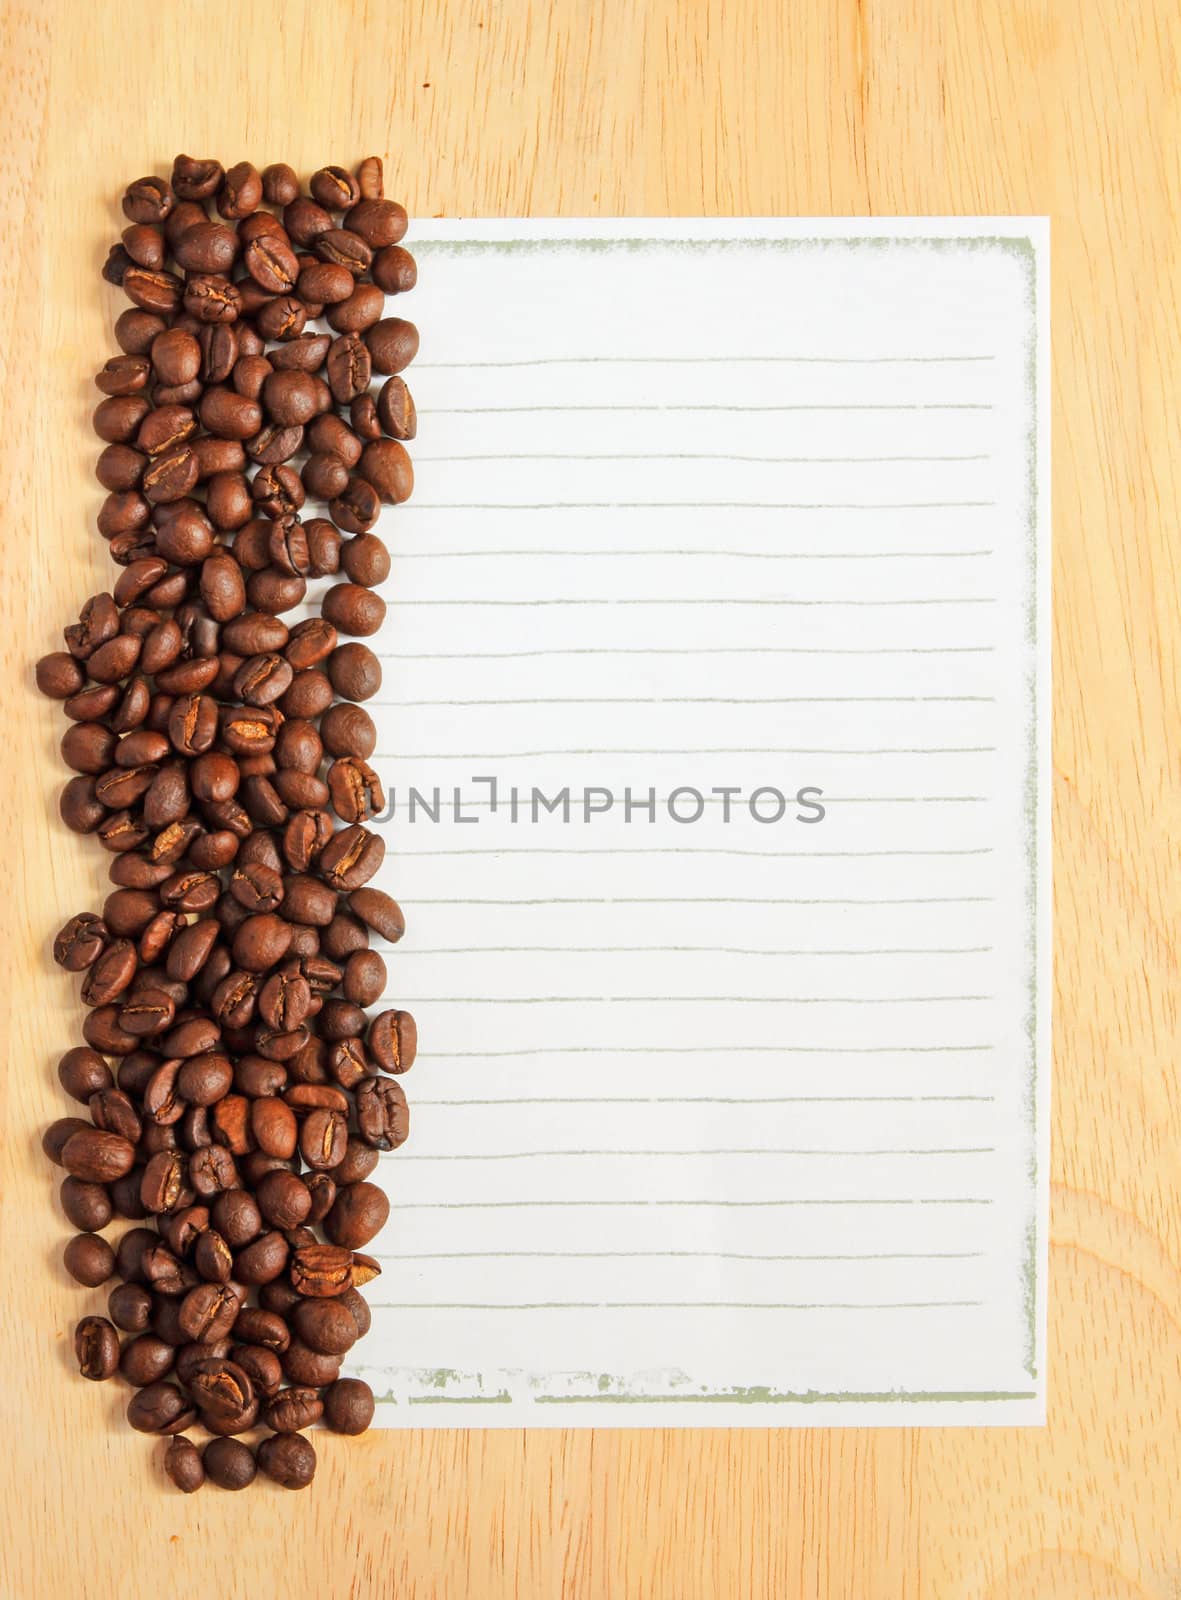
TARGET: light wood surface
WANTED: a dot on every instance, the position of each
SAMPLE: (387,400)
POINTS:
(616,107)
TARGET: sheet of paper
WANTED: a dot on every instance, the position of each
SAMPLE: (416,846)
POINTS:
(729,543)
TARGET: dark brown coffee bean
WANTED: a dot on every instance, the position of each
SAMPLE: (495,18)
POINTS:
(360,1212)
(130,1306)
(229,415)
(208,1311)
(146,1359)
(322,283)
(183,1464)
(387,467)
(163,1181)
(393,1041)
(283,318)
(212,1169)
(356,790)
(288,1459)
(157,292)
(194,179)
(347,730)
(89,1259)
(394,270)
(271,262)
(283,1198)
(355,671)
(240,193)
(79,945)
(221,1387)
(110,974)
(351,858)
(365,559)
(206,248)
(96,1348)
(383,1117)
(353,609)
(392,344)
(323,1139)
(348,1406)
(321,1271)
(379,912)
(87,1205)
(264,1260)
(293,1409)
(280,186)
(59,676)
(334,188)
(229,1463)
(271,1122)
(331,436)
(160,1408)
(362,308)
(236,1217)
(356,509)
(349,367)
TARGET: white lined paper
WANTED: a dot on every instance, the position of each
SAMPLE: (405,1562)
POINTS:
(721,1122)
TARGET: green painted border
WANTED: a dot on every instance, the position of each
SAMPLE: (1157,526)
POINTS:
(1022,248)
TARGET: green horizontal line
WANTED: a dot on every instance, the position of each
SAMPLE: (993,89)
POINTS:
(696,455)
(811,1397)
(450,1400)
(719,1100)
(687,1255)
(676,1305)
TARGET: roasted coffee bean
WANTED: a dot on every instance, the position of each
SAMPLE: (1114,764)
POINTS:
(366,560)
(354,671)
(383,1117)
(184,1465)
(293,1409)
(81,942)
(96,1348)
(394,270)
(379,912)
(160,1408)
(392,344)
(348,1406)
(229,1463)
(393,1041)
(87,1205)
(354,610)
(89,1259)
(200,768)
(263,1260)
(355,789)
(97,1156)
(321,1271)
(146,1359)
(236,1217)
(288,1459)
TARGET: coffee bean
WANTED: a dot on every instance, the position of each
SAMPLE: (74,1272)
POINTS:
(146,1359)
(89,1259)
(288,1459)
(379,912)
(229,1463)
(184,1466)
(241,192)
(348,1406)
(87,1205)
(160,1408)
(96,1348)
(394,270)
(393,1041)
(392,344)
(225,944)
(358,1215)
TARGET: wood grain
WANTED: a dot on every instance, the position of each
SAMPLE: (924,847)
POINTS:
(617,107)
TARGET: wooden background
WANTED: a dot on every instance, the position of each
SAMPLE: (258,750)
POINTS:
(616,107)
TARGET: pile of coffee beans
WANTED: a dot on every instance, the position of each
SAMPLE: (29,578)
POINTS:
(235,1093)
